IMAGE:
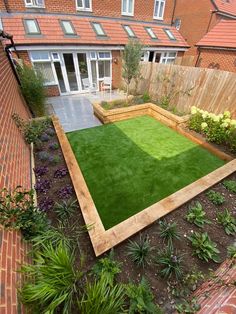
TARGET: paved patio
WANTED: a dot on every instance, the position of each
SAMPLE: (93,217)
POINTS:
(75,112)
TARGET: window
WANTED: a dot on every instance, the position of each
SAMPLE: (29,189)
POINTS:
(169,34)
(129,31)
(159,8)
(151,33)
(106,55)
(98,29)
(168,57)
(127,7)
(104,69)
(42,64)
(32,27)
(68,28)
(93,55)
(84,5)
(35,3)
(55,56)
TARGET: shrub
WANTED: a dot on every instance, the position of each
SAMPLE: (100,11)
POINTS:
(54,159)
(168,231)
(231,250)
(230,185)
(107,266)
(171,263)
(139,251)
(141,298)
(17,211)
(46,204)
(43,156)
(203,247)
(215,197)
(40,171)
(42,186)
(53,146)
(65,192)
(33,90)
(60,173)
(227,221)
(65,209)
(52,281)
(100,297)
(197,215)
(146,97)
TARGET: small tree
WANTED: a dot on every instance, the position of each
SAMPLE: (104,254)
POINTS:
(131,62)
(33,89)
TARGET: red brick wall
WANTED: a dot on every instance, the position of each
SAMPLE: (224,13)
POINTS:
(219,59)
(143,9)
(116,69)
(14,170)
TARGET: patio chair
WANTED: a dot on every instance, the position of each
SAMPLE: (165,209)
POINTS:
(87,86)
(106,84)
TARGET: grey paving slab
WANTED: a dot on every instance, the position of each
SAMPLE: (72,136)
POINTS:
(75,112)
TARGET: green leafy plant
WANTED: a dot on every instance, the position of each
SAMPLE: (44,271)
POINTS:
(231,251)
(139,251)
(227,221)
(203,247)
(146,97)
(17,211)
(107,266)
(191,279)
(131,62)
(189,307)
(32,87)
(171,263)
(51,281)
(215,197)
(168,231)
(100,297)
(141,298)
(65,208)
(197,215)
(230,185)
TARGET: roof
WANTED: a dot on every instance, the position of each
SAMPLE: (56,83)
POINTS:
(52,33)
(226,6)
(222,35)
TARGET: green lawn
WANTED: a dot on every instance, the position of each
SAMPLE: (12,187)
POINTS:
(132,164)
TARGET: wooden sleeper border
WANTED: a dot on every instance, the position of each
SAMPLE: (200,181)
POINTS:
(103,240)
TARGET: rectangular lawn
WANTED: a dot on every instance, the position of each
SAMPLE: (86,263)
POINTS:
(132,164)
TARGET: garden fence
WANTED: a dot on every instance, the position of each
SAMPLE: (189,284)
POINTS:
(209,89)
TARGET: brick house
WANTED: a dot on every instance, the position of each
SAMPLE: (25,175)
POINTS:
(195,19)
(79,41)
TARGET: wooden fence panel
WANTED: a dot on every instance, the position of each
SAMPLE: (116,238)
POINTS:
(211,90)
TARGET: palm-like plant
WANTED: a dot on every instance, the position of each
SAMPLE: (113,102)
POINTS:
(227,221)
(65,209)
(168,231)
(139,251)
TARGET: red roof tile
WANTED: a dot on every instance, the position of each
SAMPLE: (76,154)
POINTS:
(222,35)
(52,32)
(226,6)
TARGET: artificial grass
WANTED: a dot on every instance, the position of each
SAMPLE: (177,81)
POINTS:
(132,164)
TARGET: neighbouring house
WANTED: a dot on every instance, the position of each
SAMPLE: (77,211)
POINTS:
(217,49)
(79,42)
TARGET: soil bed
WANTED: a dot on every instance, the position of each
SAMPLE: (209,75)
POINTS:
(130,272)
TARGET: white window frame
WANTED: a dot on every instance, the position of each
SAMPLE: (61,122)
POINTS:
(129,31)
(83,8)
(103,33)
(46,60)
(150,32)
(165,56)
(170,34)
(104,58)
(63,22)
(34,4)
(27,30)
(158,16)
(126,12)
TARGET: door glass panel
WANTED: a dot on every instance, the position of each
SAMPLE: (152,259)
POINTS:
(104,69)
(94,72)
(83,68)
(60,77)
(70,69)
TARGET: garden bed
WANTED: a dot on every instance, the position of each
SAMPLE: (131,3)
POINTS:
(164,290)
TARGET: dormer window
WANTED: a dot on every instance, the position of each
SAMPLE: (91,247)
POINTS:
(127,7)
(151,32)
(129,31)
(98,29)
(169,34)
(159,8)
(35,3)
(32,27)
(84,5)
(68,28)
